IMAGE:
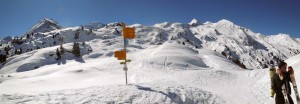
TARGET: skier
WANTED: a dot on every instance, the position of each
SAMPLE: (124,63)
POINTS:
(272,73)
(281,78)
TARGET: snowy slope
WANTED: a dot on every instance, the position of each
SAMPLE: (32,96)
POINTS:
(151,81)
(294,62)
(101,79)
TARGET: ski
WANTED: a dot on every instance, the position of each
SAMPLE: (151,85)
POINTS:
(272,73)
(284,92)
(292,75)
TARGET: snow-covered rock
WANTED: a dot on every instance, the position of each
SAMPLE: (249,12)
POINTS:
(195,23)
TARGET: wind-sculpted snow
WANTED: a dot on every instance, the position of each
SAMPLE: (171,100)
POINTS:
(131,94)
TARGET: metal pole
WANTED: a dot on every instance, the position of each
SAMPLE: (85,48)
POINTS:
(126,76)
(125,65)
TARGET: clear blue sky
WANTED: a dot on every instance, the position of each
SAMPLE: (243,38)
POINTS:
(262,16)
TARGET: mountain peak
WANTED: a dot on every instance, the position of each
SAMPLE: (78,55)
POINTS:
(94,25)
(195,22)
(225,21)
(47,20)
(44,25)
(282,36)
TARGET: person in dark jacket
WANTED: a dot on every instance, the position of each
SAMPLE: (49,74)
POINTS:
(282,77)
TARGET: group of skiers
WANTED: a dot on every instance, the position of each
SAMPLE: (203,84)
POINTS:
(280,86)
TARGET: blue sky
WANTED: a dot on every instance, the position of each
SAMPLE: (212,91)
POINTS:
(262,16)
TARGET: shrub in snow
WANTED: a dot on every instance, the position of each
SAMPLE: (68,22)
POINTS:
(224,54)
(76,35)
(16,51)
(90,50)
(82,28)
(58,54)
(36,67)
(76,49)
(7,48)
(2,58)
(27,36)
(62,49)
(265,66)
(90,31)
(160,43)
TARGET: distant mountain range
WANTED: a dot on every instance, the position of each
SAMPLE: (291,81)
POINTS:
(240,45)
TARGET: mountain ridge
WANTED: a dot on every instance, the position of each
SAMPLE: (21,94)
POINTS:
(239,44)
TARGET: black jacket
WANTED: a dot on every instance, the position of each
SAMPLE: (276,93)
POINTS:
(277,87)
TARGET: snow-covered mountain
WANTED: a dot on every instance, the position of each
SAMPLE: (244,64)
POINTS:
(241,45)
(171,63)
(44,25)
(94,25)
(5,40)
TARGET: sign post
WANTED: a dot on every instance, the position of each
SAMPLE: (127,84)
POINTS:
(128,33)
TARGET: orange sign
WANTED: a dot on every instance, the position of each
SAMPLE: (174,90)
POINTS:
(120,55)
(128,33)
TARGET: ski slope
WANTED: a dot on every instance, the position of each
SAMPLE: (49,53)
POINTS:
(167,73)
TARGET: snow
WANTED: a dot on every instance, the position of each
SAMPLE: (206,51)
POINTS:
(162,70)
(153,86)
(195,22)
(124,94)
(179,56)
(30,60)
(225,22)
(44,25)
(285,40)
(101,80)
